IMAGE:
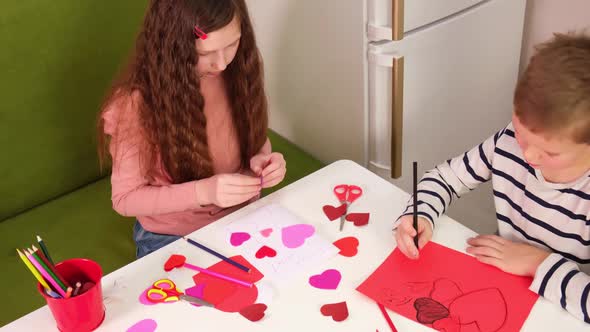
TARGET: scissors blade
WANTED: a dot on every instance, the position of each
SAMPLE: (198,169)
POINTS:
(343,216)
(196,300)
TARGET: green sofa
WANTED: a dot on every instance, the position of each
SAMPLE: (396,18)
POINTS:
(57,60)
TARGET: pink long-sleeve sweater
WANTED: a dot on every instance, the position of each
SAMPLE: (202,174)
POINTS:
(159,205)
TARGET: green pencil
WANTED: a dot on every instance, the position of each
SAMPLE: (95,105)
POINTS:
(40,261)
(44,249)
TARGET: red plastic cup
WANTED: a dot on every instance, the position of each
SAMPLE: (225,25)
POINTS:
(84,312)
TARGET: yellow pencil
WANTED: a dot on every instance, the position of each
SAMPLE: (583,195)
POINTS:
(33,270)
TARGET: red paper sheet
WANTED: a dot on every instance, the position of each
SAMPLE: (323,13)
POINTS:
(225,295)
(450,291)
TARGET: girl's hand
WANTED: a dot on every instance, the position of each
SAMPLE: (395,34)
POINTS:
(512,257)
(225,190)
(405,232)
(270,167)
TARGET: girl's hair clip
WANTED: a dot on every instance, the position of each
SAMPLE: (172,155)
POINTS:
(199,33)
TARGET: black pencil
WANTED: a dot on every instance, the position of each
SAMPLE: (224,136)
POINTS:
(215,253)
(415,214)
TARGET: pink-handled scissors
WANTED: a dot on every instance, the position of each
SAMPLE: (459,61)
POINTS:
(347,194)
(164,290)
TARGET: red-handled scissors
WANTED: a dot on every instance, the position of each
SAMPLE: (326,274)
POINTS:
(347,194)
(164,290)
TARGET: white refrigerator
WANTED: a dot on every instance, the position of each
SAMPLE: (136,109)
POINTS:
(388,82)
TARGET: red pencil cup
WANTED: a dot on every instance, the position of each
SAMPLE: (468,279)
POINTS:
(84,312)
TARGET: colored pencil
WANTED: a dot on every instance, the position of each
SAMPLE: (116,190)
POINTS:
(48,269)
(387,318)
(77,289)
(45,274)
(44,248)
(217,275)
(33,270)
(415,214)
(50,266)
(52,294)
(216,254)
(69,293)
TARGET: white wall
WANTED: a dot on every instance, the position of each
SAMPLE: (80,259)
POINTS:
(543,17)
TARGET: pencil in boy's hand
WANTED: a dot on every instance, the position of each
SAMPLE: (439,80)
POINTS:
(415,214)
(44,249)
(216,254)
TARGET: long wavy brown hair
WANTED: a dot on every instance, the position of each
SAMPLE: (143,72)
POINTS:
(163,71)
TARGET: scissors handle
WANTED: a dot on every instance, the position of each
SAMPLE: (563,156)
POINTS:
(354,192)
(163,290)
(341,192)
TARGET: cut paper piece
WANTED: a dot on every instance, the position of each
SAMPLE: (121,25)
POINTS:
(254,312)
(295,235)
(266,232)
(282,264)
(265,251)
(238,238)
(435,291)
(334,213)
(338,311)
(359,219)
(196,291)
(173,262)
(225,295)
(329,279)
(146,325)
(348,246)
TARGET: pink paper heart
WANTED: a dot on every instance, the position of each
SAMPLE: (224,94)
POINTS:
(238,238)
(329,279)
(146,325)
(294,236)
(266,232)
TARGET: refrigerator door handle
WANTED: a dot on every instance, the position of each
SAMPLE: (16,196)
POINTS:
(397,120)
(396,31)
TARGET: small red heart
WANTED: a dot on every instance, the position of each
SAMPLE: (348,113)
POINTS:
(338,311)
(254,312)
(348,246)
(173,262)
(334,213)
(359,219)
(265,251)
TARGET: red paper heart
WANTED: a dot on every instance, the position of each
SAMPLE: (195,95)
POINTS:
(359,219)
(447,324)
(254,312)
(173,262)
(463,310)
(348,246)
(265,251)
(334,213)
(338,311)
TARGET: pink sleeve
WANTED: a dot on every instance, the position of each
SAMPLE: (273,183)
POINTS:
(132,195)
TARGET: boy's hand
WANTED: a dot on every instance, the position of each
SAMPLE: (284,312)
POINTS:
(405,232)
(512,257)
(271,167)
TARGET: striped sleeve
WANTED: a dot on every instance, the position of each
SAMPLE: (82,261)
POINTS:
(448,181)
(560,281)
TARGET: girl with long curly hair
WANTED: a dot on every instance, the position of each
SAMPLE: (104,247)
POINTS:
(185,126)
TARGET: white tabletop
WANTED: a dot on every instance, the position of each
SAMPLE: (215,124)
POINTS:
(296,306)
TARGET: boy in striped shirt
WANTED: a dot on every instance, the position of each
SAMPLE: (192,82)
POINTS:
(540,169)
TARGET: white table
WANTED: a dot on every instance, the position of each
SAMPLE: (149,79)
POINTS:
(296,307)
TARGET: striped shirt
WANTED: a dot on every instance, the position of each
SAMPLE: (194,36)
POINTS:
(551,216)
